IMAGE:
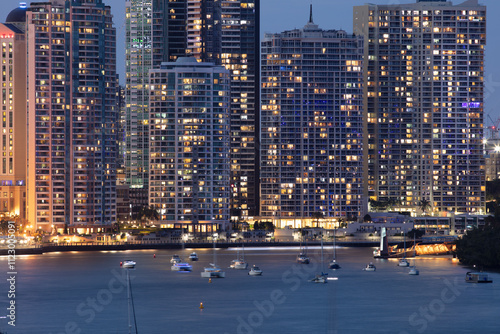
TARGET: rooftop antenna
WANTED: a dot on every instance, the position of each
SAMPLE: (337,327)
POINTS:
(311,13)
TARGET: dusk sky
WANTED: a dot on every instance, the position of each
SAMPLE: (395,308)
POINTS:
(280,15)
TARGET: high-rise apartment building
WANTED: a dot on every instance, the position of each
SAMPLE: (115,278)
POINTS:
(221,32)
(189,146)
(423,95)
(13,122)
(311,141)
(72,114)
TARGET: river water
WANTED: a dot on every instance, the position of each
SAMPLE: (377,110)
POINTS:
(85,292)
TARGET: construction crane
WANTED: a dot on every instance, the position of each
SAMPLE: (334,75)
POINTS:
(493,129)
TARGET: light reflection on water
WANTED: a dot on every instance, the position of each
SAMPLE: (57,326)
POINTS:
(84,290)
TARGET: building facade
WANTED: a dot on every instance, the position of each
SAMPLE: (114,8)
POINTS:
(13,123)
(423,94)
(221,32)
(189,166)
(311,137)
(72,114)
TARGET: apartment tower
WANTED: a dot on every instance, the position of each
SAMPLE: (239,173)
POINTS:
(189,146)
(13,109)
(423,95)
(72,114)
(216,31)
(311,141)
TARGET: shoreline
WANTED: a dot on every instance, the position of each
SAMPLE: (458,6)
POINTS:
(193,245)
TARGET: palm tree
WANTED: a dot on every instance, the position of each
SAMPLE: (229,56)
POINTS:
(317,215)
(424,205)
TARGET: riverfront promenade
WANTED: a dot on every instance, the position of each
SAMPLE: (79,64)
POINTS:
(135,245)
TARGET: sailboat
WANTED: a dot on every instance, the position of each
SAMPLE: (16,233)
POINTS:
(404,262)
(302,257)
(320,278)
(334,264)
(239,262)
(213,271)
(130,265)
(413,269)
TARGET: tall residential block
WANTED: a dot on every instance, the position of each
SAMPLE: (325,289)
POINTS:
(72,114)
(221,32)
(13,122)
(189,146)
(423,95)
(311,141)
(138,62)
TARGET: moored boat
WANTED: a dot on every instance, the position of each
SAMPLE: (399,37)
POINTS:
(181,266)
(255,271)
(128,264)
(370,267)
(213,272)
(477,277)
(175,259)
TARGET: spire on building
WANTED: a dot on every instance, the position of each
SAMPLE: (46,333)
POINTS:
(311,14)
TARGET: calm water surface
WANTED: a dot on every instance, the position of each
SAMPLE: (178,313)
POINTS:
(85,292)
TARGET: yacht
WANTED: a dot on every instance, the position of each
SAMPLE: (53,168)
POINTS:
(319,279)
(413,271)
(333,263)
(213,272)
(193,257)
(175,259)
(255,271)
(302,258)
(128,264)
(370,267)
(403,263)
(477,277)
(239,262)
(181,266)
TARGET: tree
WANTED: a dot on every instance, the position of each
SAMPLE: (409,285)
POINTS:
(367,218)
(424,205)
(145,213)
(415,232)
(317,216)
(480,247)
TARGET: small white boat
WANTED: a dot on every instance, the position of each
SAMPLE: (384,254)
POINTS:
(477,277)
(403,263)
(213,272)
(175,259)
(413,271)
(302,258)
(193,256)
(238,264)
(319,279)
(181,266)
(255,271)
(128,264)
(334,265)
(370,267)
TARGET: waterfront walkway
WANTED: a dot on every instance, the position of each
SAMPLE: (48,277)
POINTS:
(98,246)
